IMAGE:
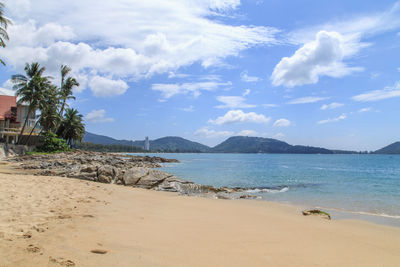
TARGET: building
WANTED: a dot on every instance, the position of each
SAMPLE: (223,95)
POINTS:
(12,118)
(147,144)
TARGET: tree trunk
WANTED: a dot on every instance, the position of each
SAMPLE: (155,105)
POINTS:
(23,127)
(29,137)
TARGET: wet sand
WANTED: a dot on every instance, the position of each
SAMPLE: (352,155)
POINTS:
(54,221)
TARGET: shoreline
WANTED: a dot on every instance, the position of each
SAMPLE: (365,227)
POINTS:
(53,221)
(164,181)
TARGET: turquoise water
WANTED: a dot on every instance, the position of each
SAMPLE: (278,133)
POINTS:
(359,184)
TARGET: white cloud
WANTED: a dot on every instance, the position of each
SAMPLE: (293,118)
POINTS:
(233,102)
(365,25)
(323,56)
(209,133)
(269,105)
(307,100)
(8,92)
(333,105)
(279,135)
(103,87)
(282,123)
(364,110)
(341,117)
(247,92)
(387,92)
(238,116)
(246,78)
(247,133)
(188,109)
(169,90)
(97,116)
(127,42)
(398,69)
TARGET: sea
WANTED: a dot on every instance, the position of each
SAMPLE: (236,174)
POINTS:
(364,186)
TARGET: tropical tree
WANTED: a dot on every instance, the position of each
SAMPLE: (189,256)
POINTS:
(66,92)
(49,117)
(47,106)
(72,128)
(4,22)
(30,89)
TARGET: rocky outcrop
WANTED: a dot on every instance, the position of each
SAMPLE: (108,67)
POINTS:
(135,171)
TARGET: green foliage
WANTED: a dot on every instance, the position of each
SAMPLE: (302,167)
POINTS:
(71,128)
(52,143)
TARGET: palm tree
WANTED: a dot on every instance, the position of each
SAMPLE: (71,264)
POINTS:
(49,118)
(30,89)
(48,108)
(3,29)
(72,128)
(66,91)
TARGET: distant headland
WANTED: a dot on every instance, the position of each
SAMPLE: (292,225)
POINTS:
(235,144)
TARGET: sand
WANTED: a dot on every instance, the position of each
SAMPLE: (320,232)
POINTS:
(54,221)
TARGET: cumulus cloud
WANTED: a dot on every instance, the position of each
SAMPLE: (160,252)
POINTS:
(364,110)
(233,102)
(307,100)
(279,135)
(188,109)
(210,133)
(331,106)
(8,92)
(247,133)
(246,78)
(103,87)
(341,117)
(96,116)
(323,56)
(282,123)
(246,92)
(371,96)
(238,116)
(169,90)
(127,42)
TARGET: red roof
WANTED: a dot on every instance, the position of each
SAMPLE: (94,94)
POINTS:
(6,103)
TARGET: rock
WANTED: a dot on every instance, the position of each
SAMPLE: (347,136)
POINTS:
(99,251)
(152,179)
(317,212)
(107,174)
(133,175)
(248,197)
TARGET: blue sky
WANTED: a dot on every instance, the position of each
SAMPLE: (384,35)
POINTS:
(321,73)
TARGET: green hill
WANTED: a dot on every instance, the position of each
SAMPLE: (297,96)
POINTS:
(245,144)
(165,144)
(390,149)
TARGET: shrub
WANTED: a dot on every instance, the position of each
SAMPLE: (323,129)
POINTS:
(52,143)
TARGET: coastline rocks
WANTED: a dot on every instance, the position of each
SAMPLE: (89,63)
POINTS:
(107,174)
(135,171)
(133,175)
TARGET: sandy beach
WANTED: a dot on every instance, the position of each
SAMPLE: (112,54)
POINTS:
(55,221)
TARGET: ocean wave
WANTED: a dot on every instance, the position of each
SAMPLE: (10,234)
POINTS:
(268,190)
(364,213)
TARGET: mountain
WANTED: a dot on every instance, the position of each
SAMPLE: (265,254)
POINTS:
(165,144)
(245,144)
(390,149)
(98,139)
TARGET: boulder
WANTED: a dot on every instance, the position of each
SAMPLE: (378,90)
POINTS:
(107,174)
(133,175)
(152,179)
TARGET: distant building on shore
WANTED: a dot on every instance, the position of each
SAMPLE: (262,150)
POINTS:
(147,144)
